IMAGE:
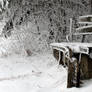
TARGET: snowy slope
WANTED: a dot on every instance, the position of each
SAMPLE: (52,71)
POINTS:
(38,73)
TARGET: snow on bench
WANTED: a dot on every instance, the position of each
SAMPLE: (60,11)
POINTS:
(75,47)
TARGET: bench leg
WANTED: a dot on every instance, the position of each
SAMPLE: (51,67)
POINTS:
(73,75)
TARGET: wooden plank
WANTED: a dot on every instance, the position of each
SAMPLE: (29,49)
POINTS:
(84,29)
(86,18)
(85,23)
(86,33)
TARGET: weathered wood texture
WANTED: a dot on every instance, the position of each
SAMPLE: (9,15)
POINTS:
(56,55)
(84,66)
(73,74)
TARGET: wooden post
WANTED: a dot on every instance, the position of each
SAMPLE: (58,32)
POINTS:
(70,71)
(83,38)
(78,71)
(73,71)
(90,6)
(70,29)
(73,74)
(70,75)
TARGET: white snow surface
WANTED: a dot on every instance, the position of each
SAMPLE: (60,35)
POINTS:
(37,73)
(74,44)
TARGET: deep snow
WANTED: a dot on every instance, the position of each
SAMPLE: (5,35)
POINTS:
(37,73)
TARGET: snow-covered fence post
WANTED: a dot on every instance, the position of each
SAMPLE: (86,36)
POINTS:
(73,74)
(73,71)
(78,71)
(72,79)
(70,29)
(69,37)
(70,70)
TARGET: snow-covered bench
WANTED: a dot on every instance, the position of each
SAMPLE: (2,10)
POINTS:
(76,56)
(72,55)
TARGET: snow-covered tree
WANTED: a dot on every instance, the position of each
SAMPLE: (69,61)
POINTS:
(48,20)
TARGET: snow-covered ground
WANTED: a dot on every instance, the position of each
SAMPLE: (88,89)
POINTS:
(37,73)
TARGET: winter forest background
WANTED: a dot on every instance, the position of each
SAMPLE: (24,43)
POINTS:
(27,27)
(31,25)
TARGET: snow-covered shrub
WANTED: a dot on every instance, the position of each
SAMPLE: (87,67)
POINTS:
(3,5)
(30,39)
(25,40)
